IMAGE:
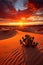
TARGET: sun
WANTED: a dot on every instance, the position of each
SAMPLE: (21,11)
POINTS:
(21,23)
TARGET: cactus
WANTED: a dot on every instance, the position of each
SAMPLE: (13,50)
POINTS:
(28,41)
(20,41)
(23,39)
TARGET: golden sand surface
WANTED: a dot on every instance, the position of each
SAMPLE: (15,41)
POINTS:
(12,53)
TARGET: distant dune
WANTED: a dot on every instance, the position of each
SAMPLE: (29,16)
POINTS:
(33,29)
(5,34)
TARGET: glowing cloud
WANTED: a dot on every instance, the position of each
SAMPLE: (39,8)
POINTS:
(22,23)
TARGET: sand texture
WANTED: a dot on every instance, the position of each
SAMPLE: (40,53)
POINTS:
(12,53)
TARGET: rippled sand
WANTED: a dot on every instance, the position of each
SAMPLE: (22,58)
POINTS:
(12,53)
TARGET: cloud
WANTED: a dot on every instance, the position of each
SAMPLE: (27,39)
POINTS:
(19,5)
(39,11)
(38,3)
(13,8)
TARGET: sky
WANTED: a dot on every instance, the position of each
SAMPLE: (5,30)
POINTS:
(16,8)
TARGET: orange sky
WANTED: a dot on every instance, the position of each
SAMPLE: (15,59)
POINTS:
(32,20)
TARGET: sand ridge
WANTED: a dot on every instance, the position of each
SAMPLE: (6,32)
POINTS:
(12,53)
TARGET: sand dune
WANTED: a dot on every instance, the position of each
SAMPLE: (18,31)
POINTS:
(7,34)
(12,53)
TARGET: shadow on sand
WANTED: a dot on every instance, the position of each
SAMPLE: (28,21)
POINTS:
(7,34)
(33,56)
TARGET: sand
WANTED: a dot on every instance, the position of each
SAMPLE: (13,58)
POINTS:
(12,53)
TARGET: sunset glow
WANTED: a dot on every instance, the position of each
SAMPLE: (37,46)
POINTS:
(22,23)
(26,23)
